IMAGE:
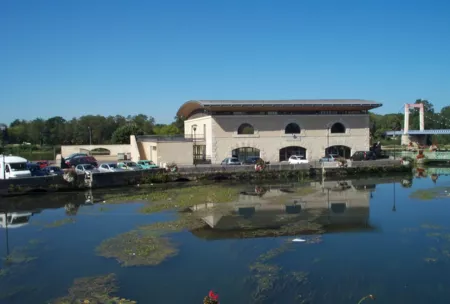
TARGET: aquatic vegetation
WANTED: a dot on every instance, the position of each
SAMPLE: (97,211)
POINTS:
(59,223)
(93,290)
(432,193)
(137,248)
(269,280)
(184,221)
(18,256)
(159,199)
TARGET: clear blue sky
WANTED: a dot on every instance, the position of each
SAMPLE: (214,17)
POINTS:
(77,57)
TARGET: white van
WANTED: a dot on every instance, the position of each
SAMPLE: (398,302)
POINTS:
(13,167)
(14,219)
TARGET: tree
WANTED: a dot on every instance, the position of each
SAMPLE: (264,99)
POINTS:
(122,134)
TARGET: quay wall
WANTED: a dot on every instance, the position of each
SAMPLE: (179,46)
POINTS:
(201,172)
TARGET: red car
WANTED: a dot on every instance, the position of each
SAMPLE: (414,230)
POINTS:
(42,163)
(81,161)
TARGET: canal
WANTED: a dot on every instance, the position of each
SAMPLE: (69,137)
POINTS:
(320,242)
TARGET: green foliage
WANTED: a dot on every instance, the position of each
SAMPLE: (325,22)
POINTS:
(122,134)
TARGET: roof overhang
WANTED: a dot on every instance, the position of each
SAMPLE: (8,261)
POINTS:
(275,105)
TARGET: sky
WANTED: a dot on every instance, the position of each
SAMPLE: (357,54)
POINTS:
(108,57)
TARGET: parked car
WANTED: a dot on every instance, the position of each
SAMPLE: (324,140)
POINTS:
(252,160)
(86,169)
(73,155)
(329,158)
(79,160)
(42,163)
(53,170)
(36,170)
(109,167)
(231,161)
(128,165)
(147,164)
(363,155)
(297,159)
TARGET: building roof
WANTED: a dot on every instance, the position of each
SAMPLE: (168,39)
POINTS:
(233,105)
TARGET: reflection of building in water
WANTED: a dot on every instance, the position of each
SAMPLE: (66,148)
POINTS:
(334,205)
(14,219)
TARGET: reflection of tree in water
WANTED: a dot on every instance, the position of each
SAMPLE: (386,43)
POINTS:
(71,208)
(407,183)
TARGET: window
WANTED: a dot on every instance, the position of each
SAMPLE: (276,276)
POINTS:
(337,128)
(292,128)
(246,128)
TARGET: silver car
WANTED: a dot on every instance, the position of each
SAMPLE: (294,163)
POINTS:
(110,167)
(87,169)
(231,161)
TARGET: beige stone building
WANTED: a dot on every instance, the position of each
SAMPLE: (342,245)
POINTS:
(276,129)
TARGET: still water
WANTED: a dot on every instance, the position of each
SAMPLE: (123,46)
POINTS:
(389,237)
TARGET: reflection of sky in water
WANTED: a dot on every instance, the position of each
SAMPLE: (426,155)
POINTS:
(387,260)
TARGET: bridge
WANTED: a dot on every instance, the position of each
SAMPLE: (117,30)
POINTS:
(416,135)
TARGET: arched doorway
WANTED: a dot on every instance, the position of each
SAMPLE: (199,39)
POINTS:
(244,153)
(342,151)
(286,152)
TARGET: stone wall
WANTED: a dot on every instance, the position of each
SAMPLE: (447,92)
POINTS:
(36,184)
(270,137)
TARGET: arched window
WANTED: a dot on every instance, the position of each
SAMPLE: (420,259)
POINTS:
(292,128)
(246,128)
(337,128)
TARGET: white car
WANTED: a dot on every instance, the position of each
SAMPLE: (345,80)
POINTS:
(87,169)
(110,167)
(297,159)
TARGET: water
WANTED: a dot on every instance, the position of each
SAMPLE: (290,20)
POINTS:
(383,236)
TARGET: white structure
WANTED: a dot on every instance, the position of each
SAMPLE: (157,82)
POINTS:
(406,138)
(277,129)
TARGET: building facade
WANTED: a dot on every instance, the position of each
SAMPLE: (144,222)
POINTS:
(275,130)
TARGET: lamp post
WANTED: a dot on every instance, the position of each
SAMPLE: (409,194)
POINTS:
(394,208)
(3,130)
(194,128)
(90,136)
(328,141)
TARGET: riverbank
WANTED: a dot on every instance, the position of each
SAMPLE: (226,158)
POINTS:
(199,173)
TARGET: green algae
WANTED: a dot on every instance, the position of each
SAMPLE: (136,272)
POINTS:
(137,248)
(431,194)
(93,290)
(59,223)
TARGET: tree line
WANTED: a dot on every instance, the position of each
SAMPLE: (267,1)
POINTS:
(99,129)
(379,124)
(95,129)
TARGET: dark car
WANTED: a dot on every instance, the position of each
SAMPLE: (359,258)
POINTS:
(363,155)
(82,160)
(53,170)
(252,160)
(36,170)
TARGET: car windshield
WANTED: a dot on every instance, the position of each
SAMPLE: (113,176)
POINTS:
(18,166)
(112,165)
(20,220)
(131,164)
(234,160)
(88,167)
